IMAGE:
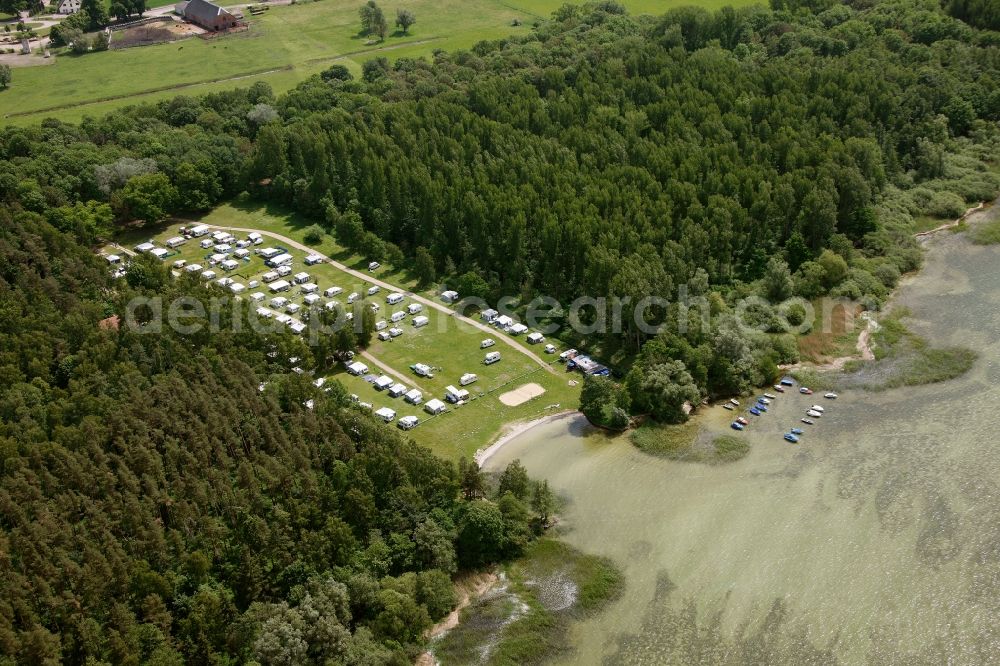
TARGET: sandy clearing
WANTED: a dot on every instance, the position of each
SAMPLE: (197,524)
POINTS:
(521,394)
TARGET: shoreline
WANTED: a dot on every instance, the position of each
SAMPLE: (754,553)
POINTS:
(516,429)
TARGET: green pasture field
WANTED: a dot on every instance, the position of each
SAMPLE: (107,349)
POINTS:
(285,45)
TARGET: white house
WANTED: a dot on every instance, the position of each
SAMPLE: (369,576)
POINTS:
(434,406)
(69,6)
(414,397)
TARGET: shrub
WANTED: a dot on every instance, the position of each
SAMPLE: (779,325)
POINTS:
(314,235)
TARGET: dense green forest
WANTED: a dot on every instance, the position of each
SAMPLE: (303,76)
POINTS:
(157,507)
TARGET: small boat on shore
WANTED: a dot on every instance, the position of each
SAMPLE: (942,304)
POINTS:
(755,411)
(779,388)
(817,408)
(729,406)
(787,382)
(734,401)
(830,396)
(805,391)
(813,413)
(797,431)
(761,407)
(791,438)
(737,426)
(770,396)
(808,421)
(764,401)
(743,420)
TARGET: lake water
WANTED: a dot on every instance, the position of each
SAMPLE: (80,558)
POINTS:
(875,540)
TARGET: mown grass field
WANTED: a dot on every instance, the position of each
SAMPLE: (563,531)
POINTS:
(286,45)
(447,344)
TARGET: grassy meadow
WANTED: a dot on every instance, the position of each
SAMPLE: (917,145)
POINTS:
(285,46)
(446,344)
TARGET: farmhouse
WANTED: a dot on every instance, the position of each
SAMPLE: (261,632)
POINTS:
(69,6)
(207,15)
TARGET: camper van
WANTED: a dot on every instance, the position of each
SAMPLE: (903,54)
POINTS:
(467,378)
(373,290)
(198,231)
(269,252)
(455,395)
(353,296)
(283,259)
(301,278)
(176,241)
(414,308)
(332,291)
(397,316)
(255,238)
(270,276)
(491,358)
(373,266)
(205,243)
(420,321)
(314,259)
(488,342)
(394,298)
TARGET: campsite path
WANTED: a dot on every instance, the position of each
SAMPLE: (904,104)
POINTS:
(506,339)
(389,370)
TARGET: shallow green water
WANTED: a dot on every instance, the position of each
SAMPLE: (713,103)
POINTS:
(876,540)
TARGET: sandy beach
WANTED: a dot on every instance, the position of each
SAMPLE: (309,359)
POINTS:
(515,429)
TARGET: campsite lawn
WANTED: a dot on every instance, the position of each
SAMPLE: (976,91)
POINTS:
(451,347)
(286,45)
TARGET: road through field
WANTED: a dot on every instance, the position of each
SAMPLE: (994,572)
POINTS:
(385,285)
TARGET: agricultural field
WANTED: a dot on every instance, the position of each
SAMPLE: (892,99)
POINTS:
(285,45)
(449,345)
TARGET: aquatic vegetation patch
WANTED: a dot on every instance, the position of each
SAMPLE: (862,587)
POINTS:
(526,619)
(903,358)
(688,443)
